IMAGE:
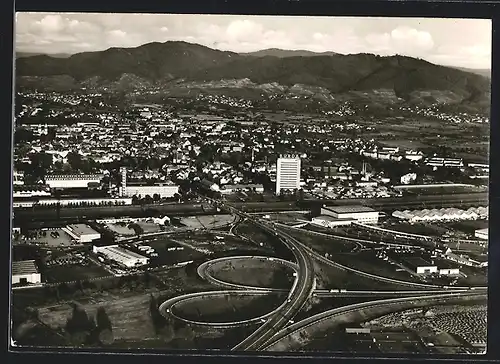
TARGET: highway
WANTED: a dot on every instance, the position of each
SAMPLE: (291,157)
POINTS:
(299,294)
(387,304)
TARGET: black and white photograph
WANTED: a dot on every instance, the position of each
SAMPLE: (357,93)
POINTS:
(248,183)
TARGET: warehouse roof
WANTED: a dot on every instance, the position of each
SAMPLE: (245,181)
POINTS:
(414,262)
(349,209)
(24,267)
(331,218)
(81,229)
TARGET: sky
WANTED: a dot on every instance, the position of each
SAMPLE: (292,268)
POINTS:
(452,42)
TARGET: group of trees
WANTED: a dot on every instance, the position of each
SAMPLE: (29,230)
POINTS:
(83,329)
(168,330)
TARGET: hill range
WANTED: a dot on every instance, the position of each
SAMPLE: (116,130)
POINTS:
(328,77)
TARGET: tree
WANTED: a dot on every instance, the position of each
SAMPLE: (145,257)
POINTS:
(102,319)
(75,161)
(79,326)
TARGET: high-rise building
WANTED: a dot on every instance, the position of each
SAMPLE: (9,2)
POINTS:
(287,173)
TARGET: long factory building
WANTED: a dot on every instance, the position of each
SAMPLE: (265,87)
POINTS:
(167,189)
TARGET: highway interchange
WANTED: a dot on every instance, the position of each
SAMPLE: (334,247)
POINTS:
(278,323)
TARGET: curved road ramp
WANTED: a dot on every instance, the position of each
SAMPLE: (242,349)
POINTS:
(299,334)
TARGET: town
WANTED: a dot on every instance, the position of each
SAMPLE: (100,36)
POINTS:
(214,200)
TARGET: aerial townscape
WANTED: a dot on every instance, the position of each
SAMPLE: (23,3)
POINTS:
(176,196)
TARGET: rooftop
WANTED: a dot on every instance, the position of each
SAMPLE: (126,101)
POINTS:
(331,218)
(414,262)
(24,267)
(349,209)
(81,229)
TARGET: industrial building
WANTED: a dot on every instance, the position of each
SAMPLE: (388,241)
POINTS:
(287,173)
(481,234)
(442,214)
(419,265)
(330,221)
(72,180)
(167,189)
(25,272)
(361,214)
(27,191)
(82,233)
(121,255)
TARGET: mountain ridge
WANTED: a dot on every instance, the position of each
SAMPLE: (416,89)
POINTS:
(173,64)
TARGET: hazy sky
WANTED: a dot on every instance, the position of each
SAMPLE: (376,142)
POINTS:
(455,42)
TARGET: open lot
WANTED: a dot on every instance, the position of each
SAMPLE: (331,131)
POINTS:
(416,228)
(175,251)
(70,273)
(253,272)
(329,277)
(367,261)
(442,190)
(207,221)
(44,238)
(290,218)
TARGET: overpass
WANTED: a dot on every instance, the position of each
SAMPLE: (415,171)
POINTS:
(288,338)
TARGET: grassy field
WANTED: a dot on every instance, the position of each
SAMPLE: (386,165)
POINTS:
(418,229)
(442,190)
(329,277)
(129,315)
(227,308)
(323,244)
(366,261)
(253,272)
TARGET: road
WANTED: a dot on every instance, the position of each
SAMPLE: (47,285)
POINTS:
(299,294)
(386,304)
(184,209)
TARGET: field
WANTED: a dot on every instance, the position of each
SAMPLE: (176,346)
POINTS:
(227,308)
(329,277)
(129,315)
(441,190)
(418,229)
(404,144)
(253,272)
(324,244)
(180,251)
(366,261)
(71,273)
